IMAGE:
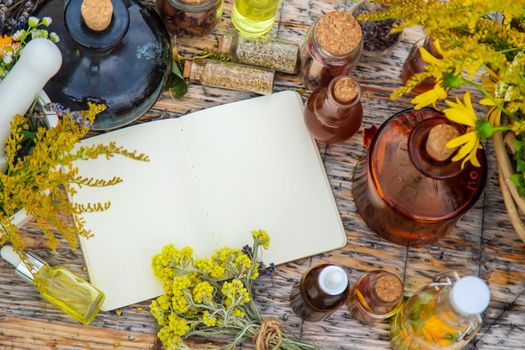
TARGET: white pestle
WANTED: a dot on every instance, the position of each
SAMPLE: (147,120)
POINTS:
(39,61)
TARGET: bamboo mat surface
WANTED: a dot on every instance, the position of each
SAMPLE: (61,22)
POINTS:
(483,242)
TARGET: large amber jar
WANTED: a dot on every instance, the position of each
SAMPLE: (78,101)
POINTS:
(405,195)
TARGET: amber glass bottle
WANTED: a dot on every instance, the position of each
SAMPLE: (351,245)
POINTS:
(334,113)
(321,291)
(376,297)
(405,194)
(414,64)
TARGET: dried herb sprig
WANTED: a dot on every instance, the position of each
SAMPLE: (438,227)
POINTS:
(41,181)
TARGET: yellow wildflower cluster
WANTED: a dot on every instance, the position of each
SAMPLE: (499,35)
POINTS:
(206,294)
(469,36)
(41,181)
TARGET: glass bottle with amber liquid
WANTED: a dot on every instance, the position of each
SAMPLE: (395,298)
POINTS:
(376,297)
(414,64)
(334,113)
(407,189)
(321,291)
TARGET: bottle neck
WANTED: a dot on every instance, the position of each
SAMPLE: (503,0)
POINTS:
(331,111)
(446,311)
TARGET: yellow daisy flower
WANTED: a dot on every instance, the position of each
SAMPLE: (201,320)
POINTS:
(489,82)
(469,143)
(430,97)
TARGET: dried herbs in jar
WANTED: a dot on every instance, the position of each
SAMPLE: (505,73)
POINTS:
(230,75)
(377,39)
(194,17)
(274,53)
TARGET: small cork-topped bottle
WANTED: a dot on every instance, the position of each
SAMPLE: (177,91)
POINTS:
(334,113)
(332,47)
(275,53)
(407,188)
(376,296)
(414,64)
(321,291)
(229,75)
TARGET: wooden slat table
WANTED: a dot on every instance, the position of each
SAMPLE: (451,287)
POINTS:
(482,244)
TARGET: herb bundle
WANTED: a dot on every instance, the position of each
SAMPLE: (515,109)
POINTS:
(211,298)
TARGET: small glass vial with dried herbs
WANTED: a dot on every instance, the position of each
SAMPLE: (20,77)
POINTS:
(321,291)
(332,47)
(278,54)
(194,17)
(230,75)
(377,296)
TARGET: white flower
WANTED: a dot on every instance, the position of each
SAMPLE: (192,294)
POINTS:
(54,37)
(32,21)
(18,34)
(8,59)
(47,21)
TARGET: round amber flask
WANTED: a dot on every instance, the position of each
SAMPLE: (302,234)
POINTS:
(405,195)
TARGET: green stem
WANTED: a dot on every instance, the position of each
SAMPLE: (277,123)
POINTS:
(492,98)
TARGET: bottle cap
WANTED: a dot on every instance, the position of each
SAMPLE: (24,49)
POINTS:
(470,296)
(27,272)
(333,280)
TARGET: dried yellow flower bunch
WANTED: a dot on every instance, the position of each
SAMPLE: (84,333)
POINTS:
(41,181)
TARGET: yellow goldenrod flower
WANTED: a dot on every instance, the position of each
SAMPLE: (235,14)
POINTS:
(469,143)
(262,237)
(430,97)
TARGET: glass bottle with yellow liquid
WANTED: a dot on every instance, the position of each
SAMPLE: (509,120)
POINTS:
(254,17)
(446,314)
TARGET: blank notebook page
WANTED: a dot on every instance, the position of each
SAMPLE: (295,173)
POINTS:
(214,176)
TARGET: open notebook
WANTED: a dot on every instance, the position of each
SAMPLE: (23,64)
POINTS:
(214,175)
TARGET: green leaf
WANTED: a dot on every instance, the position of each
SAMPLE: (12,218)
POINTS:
(176,69)
(177,84)
(517,179)
(520,165)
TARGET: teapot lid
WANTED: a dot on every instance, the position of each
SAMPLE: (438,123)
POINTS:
(413,183)
(124,66)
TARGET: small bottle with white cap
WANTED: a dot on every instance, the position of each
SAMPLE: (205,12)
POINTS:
(321,291)
(68,292)
(446,314)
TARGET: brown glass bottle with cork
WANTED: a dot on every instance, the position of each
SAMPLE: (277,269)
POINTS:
(415,64)
(334,113)
(321,291)
(407,189)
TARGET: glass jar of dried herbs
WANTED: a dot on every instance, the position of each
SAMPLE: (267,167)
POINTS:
(194,17)
(230,75)
(332,47)
(377,39)
(278,54)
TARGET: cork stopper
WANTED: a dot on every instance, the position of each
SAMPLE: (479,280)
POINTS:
(339,33)
(225,43)
(388,288)
(438,137)
(346,89)
(97,14)
(187,69)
